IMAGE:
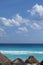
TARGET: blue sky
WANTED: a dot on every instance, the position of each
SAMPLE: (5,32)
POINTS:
(21,21)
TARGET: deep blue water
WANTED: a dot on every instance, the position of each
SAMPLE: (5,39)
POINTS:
(23,47)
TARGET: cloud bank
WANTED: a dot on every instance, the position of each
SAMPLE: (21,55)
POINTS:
(15,21)
(23,24)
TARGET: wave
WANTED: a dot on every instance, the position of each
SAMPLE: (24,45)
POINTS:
(20,52)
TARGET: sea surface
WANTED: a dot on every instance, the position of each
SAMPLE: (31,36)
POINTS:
(23,51)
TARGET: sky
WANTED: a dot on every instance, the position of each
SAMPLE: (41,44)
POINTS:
(21,21)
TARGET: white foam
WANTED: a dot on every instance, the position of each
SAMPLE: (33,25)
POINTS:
(20,52)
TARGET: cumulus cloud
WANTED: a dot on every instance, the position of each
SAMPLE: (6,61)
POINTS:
(23,29)
(36,14)
(5,21)
(20,52)
(18,18)
(8,22)
(15,21)
(2,32)
(23,23)
(35,26)
(37,11)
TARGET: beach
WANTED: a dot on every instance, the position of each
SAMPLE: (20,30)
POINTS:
(22,51)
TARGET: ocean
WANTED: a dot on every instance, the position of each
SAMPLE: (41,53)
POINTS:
(23,51)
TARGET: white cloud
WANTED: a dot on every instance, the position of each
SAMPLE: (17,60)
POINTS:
(18,18)
(35,26)
(15,21)
(23,29)
(8,22)
(2,32)
(5,21)
(26,21)
(21,22)
(37,11)
(20,52)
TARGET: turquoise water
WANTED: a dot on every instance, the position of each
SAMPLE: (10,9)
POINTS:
(36,51)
